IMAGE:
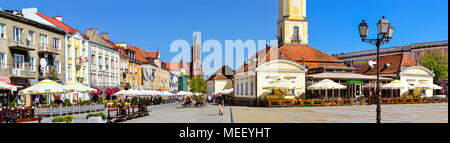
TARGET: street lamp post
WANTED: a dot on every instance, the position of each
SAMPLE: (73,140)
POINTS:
(385,32)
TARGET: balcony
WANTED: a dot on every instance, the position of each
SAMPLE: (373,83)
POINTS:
(21,45)
(49,73)
(48,48)
(26,74)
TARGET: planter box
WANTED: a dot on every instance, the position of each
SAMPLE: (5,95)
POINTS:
(96,120)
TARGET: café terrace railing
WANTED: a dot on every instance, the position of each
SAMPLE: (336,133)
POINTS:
(344,102)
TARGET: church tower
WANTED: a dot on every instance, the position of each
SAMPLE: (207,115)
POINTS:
(196,55)
(292,23)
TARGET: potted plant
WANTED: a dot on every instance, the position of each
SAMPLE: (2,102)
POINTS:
(67,102)
(106,102)
(63,119)
(96,118)
(115,103)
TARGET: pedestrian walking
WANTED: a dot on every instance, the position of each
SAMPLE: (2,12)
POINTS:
(209,99)
(220,103)
(214,99)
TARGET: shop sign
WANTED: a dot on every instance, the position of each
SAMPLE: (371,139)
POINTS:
(355,82)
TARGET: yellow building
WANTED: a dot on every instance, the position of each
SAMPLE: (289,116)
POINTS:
(133,67)
(292,23)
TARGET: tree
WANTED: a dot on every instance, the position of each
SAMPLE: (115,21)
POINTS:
(436,61)
(197,85)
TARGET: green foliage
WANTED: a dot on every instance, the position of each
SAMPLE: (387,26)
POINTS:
(134,101)
(85,102)
(115,103)
(122,103)
(33,104)
(438,62)
(96,115)
(100,101)
(106,102)
(51,103)
(66,119)
(14,103)
(67,102)
(198,85)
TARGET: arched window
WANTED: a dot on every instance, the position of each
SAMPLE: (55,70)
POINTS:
(296,33)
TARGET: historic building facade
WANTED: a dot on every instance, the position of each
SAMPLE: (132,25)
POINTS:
(292,23)
(76,47)
(196,55)
(29,50)
(220,80)
(104,64)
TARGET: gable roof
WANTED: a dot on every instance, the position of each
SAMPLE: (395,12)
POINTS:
(140,54)
(298,53)
(58,23)
(396,61)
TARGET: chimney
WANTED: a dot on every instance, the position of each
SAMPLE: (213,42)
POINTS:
(105,35)
(59,18)
(91,32)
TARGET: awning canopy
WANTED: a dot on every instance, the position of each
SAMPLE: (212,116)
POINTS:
(78,87)
(46,87)
(9,86)
(396,84)
(326,84)
(427,85)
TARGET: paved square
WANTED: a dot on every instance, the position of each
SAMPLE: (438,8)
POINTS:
(404,113)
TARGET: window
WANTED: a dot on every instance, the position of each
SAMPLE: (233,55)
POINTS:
(56,65)
(17,34)
(30,38)
(83,52)
(69,69)
(69,54)
(56,43)
(237,88)
(246,88)
(32,64)
(251,88)
(423,91)
(19,62)
(242,88)
(2,31)
(76,52)
(291,91)
(44,40)
(296,33)
(93,59)
(2,60)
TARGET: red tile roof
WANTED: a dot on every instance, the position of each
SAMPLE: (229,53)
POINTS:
(153,55)
(140,54)
(313,58)
(396,61)
(58,23)
(177,66)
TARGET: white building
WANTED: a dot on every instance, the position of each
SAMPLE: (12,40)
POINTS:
(104,61)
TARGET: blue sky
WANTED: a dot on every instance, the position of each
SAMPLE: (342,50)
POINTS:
(332,27)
